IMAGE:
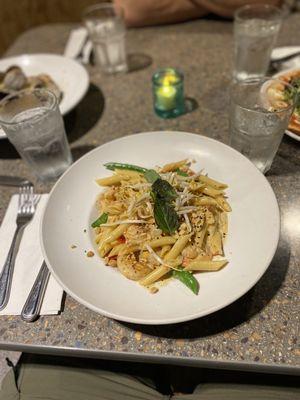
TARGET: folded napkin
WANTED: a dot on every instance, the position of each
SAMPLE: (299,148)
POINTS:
(77,42)
(28,261)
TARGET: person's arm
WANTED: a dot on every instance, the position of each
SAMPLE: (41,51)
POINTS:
(228,7)
(156,12)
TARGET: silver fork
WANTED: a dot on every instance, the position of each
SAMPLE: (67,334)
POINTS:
(26,208)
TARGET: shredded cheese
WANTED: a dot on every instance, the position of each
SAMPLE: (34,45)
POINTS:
(157,258)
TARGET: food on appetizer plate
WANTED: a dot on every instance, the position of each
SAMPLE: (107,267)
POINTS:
(14,79)
(280,95)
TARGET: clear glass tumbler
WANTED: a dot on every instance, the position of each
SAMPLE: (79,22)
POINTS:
(260,110)
(256,28)
(107,31)
(34,125)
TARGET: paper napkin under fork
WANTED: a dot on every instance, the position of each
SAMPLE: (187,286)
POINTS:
(28,261)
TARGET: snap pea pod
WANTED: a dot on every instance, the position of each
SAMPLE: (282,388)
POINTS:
(187,279)
(101,220)
(114,165)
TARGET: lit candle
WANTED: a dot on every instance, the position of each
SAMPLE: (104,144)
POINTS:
(166,98)
(168,93)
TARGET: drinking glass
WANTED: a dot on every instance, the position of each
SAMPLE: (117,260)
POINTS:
(260,110)
(255,32)
(107,31)
(33,124)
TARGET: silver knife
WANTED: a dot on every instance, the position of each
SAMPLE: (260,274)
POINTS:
(14,181)
(32,306)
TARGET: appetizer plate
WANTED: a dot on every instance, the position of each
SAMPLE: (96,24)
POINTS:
(288,66)
(278,75)
(69,75)
(250,246)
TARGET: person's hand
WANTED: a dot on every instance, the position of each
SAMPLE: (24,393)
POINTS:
(155,12)
(226,8)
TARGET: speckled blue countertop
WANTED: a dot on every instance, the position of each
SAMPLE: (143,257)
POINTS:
(262,328)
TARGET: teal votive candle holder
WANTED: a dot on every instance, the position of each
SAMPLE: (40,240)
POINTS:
(168,93)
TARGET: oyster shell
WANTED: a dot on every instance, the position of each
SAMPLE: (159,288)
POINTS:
(14,79)
(45,81)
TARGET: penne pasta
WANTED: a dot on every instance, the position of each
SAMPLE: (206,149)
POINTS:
(199,265)
(200,236)
(223,203)
(173,166)
(116,249)
(126,174)
(111,180)
(115,234)
(104,248)
(152,229)
(162,241)
(209,191)
(211,182)
(207,201)
(105,232)
(154,276)
(177,248)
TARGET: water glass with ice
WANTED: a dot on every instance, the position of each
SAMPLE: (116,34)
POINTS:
(33,124)
(107,31)
(256,28)
(260,110)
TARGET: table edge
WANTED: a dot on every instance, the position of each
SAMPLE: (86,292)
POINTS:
(154,358)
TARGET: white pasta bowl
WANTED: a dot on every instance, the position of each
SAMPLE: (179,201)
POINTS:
(250,246)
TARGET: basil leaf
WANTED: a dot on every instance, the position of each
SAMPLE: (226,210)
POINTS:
(151,175)
(187,279)
(181,173)
(165,216)
(164,190)
(101,220)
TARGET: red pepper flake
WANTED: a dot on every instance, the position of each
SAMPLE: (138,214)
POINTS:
(121,239)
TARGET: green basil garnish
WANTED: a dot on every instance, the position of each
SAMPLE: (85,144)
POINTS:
(164,190)
(165,216)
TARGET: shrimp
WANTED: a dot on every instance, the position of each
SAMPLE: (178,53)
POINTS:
(130,267)
(136,234)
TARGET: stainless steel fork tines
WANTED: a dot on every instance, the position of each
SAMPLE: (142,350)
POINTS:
(26,208)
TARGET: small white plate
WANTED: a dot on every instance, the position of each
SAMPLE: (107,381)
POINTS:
(69,75)
(252,240)
(286,67)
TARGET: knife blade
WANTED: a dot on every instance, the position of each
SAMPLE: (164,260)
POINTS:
(14,181)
